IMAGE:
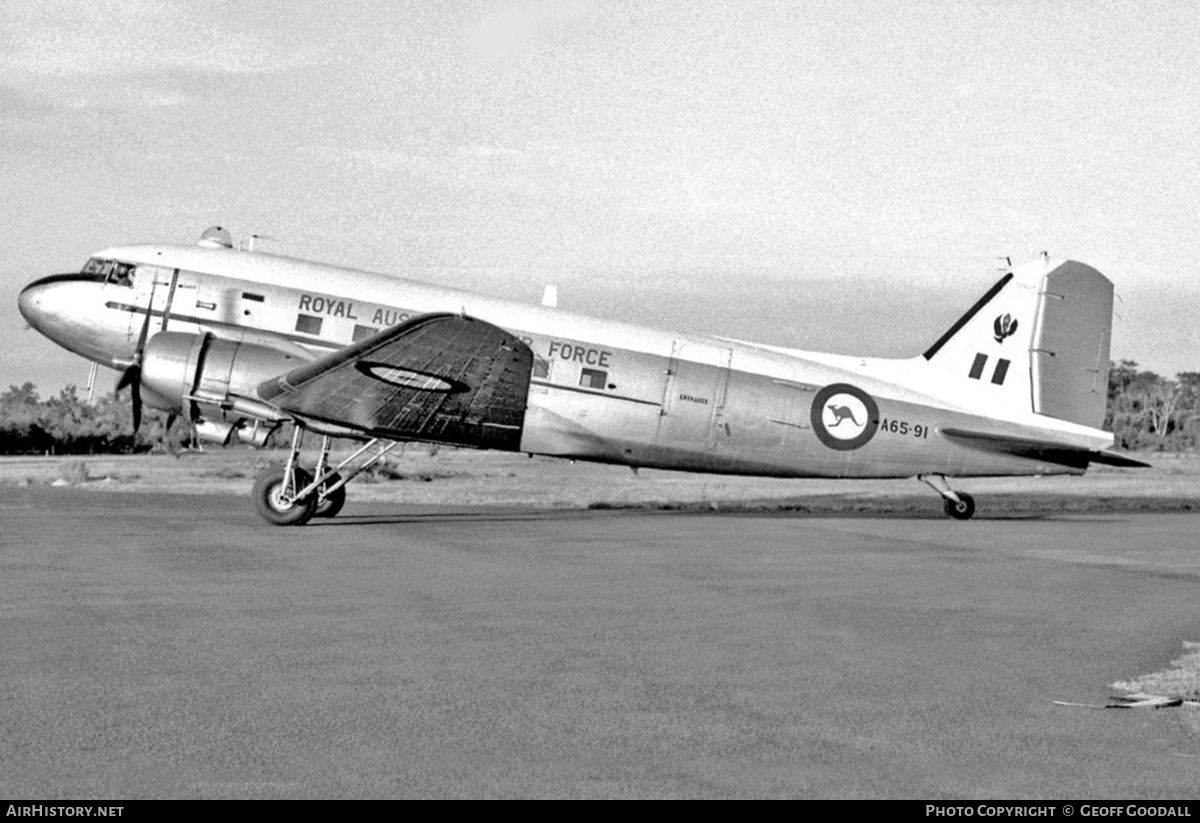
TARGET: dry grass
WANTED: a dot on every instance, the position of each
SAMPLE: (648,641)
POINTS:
(73,473)
(1182,679)
(470,478)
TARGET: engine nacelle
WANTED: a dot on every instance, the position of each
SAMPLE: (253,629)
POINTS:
(211,378)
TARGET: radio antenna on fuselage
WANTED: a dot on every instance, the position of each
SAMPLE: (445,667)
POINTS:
(249,245)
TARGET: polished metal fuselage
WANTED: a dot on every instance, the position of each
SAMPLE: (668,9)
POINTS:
(601,390)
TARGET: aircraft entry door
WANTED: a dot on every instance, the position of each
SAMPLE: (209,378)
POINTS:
(695,396)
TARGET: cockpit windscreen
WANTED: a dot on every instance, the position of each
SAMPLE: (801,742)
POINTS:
(114,271)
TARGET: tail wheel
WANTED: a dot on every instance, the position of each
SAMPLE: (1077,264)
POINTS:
(272,498)
(331,504)
(961,509)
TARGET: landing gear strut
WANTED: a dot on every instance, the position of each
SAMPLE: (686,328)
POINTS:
(332,493)
(291,496)
(959,505)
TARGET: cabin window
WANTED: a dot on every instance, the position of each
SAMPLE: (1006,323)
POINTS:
(308,324)
(363,332)
(541,368)
(593,379)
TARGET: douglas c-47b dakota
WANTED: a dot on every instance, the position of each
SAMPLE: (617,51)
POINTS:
(240,342)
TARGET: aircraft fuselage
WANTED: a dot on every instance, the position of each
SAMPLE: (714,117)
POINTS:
(600,390)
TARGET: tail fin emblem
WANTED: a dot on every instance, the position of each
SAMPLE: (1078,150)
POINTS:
(1005,326)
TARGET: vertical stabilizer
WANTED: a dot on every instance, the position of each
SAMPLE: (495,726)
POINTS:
(1037,341)
(982,361)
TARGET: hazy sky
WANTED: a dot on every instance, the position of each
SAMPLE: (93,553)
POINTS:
(829,175)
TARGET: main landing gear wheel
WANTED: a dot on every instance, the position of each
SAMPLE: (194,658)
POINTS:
(331,504)
(273,497)
(963,508)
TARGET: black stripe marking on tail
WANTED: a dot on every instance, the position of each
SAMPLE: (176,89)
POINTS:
(1000,373)
(966,318)
(977,366)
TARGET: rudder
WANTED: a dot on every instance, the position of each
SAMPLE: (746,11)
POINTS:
(1071,341)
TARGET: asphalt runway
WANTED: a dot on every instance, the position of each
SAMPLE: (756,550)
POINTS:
(177,646)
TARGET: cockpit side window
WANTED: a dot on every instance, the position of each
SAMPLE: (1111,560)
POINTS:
(123,274)
(113,271)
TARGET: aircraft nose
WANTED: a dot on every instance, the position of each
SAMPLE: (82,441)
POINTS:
(62,307)
(29,302)
(43,300)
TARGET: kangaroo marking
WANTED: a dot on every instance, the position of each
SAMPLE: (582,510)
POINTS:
(841,413)
(844,401)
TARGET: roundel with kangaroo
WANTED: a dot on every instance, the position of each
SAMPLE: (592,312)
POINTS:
(844,417)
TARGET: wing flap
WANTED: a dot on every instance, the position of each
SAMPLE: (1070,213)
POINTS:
(1046,450)
(440,378)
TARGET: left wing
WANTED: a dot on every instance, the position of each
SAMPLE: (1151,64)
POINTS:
(441,378)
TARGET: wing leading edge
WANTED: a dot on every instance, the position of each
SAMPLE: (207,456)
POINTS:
(1049,451)
(440,378)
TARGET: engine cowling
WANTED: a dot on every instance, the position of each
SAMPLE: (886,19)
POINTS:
(211,378)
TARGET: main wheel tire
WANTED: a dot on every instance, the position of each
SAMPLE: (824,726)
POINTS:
(269,501)
(963,509)
(331,504)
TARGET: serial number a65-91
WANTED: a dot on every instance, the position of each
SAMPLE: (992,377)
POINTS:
(918,430)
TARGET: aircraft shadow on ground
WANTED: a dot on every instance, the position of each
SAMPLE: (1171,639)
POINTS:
(400,518)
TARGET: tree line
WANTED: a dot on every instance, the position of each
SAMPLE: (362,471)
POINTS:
(70,424)
(1146,412)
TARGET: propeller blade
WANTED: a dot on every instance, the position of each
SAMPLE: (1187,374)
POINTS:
(128,376)
(145,332)
(136,396)
(132,376)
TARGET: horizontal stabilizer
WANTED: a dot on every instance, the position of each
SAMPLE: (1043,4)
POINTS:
(441,378)
(1061,453)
